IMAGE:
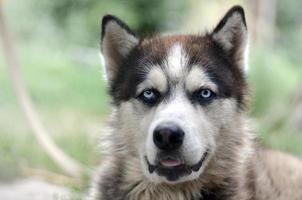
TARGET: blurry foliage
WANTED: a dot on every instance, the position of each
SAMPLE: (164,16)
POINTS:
(145,16)
(273,79)
(78,21)
(289,28)
(289,15)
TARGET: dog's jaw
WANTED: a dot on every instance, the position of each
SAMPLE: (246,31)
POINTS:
(174,174)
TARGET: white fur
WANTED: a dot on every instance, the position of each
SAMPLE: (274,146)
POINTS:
(104,73)
(156,79)
(177,60)
(197,79)
(246,57)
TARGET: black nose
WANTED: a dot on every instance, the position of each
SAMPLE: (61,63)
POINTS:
(168,136)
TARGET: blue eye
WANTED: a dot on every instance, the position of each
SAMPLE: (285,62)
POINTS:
(149,96)
(204,95)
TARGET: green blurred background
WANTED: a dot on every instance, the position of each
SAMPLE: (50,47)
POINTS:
(57,45)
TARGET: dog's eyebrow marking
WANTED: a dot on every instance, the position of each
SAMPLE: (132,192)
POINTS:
(155,79)
(176,61)
(197,78)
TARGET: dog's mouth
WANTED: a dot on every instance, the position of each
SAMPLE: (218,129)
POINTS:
(173,167)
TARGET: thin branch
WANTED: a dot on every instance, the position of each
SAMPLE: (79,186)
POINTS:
(66,163)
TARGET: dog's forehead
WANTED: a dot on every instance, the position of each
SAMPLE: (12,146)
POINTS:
(177,58)
(172,47)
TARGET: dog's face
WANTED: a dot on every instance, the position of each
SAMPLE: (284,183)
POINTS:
(174,94)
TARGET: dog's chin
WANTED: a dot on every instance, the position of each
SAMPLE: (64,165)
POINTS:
(174,170)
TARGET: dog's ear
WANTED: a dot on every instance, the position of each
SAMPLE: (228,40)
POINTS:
(231,35)
(116,43)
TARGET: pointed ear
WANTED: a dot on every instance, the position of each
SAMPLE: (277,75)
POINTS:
(117,42)
(231,35)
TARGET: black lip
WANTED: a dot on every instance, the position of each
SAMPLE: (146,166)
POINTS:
(197,166)
(174,173)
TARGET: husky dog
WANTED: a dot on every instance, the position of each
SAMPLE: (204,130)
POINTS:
(179,128)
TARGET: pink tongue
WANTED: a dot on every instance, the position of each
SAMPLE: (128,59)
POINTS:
(170,163)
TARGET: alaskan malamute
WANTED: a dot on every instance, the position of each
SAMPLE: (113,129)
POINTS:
(179,129)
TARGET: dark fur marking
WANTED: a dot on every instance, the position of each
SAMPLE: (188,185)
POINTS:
(234,55)
(221,192)
(133,71)
(111,185)
(233,10)
(108,18)
(219,66)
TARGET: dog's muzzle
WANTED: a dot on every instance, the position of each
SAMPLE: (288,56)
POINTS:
(168,138)
(173,167)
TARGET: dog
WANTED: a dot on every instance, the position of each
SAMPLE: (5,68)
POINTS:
(179,129)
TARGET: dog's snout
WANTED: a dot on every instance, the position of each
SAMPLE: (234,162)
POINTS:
(168,136)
